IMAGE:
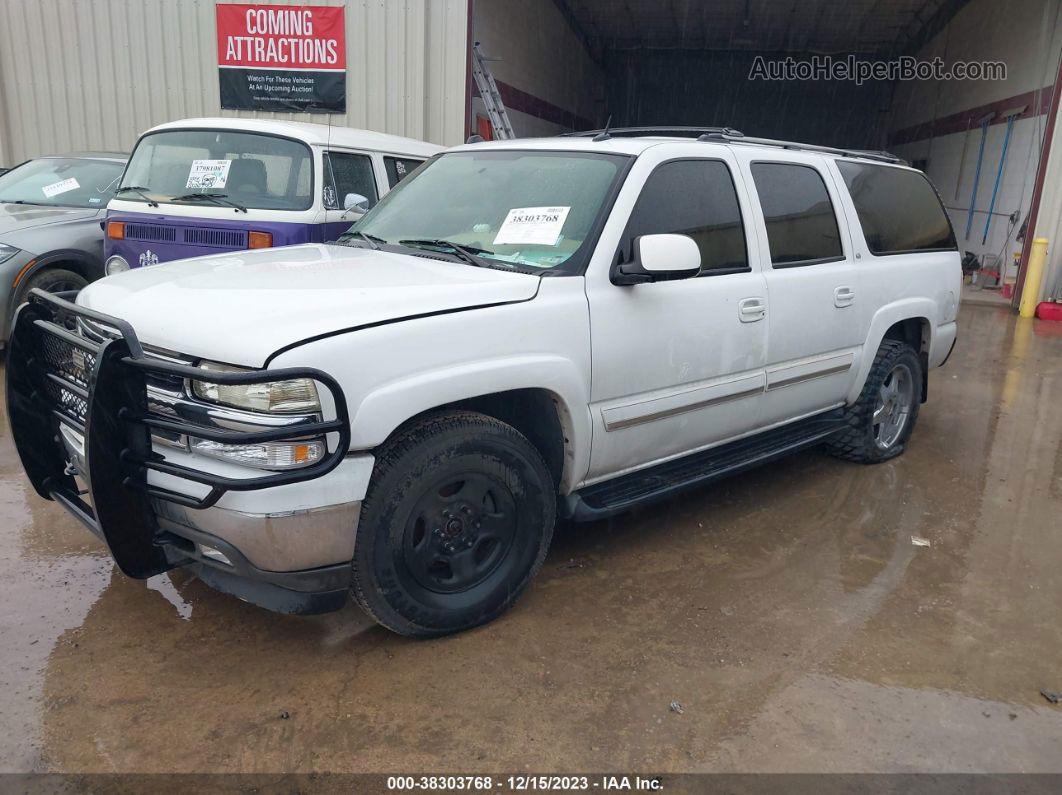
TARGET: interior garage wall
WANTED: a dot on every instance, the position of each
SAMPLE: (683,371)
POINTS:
(94,74)
(705,88)
(930,119)
(546,75)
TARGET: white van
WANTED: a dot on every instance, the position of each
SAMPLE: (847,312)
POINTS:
(206,186)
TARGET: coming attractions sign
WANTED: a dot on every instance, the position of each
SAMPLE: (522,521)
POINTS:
(282,58)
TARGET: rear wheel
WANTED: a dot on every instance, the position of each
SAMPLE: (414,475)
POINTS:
(457,520)
(881,421)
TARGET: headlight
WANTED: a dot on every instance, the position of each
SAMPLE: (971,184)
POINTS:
(115,265)
(7,252)
(266,455)
(294,396)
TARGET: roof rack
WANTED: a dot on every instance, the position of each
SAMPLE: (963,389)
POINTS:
(730,135)
(635,132)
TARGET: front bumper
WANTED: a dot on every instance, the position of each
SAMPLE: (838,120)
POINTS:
(83,429)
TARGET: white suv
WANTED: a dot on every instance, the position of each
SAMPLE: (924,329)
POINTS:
(522,330)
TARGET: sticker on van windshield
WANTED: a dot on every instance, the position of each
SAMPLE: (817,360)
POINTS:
(208,174)
(534,226)
(60,187)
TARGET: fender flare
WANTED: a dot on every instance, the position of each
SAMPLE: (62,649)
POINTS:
(924,309)
(382,410)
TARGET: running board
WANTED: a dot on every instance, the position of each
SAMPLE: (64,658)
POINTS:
(664,480)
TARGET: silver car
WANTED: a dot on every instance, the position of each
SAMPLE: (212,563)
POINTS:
(51,209)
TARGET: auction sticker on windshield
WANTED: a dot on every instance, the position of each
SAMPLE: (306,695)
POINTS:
(208,174)
(535,226)
(60,187)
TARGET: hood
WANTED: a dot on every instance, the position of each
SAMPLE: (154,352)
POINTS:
(17,217)
(240,307)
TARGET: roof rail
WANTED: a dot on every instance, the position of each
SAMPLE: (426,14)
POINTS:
(885,157)
(730,135)
(635,132)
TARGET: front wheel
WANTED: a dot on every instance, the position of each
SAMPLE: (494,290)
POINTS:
(881,421)
(457,520)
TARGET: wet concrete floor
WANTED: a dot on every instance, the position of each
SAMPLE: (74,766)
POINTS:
(787,611)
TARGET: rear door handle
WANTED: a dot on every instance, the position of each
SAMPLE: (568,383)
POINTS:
(752,309)
(843,296)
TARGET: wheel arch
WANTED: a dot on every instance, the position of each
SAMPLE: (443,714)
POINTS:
(543,397)
(909,321)
(537,413)
(80,262)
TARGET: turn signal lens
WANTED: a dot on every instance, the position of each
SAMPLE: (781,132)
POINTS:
(259,239)
(116,230)
(267,455)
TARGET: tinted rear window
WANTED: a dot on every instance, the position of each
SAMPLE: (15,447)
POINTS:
(898,209)
(801,225)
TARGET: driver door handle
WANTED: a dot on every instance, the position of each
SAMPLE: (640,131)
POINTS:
(752,309)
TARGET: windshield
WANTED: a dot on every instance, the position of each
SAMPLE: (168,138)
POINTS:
(259,171)
(61,182)
(524,207)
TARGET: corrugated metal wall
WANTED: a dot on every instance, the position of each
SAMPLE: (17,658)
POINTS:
(94,74)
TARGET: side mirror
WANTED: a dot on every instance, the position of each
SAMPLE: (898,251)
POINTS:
(659,258)
(356,202)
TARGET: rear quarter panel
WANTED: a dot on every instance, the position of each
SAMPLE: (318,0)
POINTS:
(896,287)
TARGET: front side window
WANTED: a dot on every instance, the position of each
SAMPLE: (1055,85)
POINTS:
(801,223)
(898,209)
(695,198)
(398,168)
(530,209)
(254,170)
(347,173)
(61,182)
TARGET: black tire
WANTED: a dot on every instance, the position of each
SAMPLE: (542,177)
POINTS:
(866,441)
(53,280)
(457,520)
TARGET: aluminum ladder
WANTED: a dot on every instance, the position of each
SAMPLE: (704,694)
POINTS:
(488,92)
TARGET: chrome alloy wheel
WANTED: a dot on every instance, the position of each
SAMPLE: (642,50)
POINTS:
(893,408)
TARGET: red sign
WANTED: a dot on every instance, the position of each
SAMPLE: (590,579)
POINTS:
(281,37)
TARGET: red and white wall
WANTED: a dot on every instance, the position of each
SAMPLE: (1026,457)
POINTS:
(547,78)
(933,121)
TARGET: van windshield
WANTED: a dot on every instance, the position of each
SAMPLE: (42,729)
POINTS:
(521,207)
(252,169)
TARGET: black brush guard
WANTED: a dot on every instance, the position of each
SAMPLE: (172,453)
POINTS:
(57,377)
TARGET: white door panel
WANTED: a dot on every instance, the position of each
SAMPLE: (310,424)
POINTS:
(677,365)
(818,318)
(675,368)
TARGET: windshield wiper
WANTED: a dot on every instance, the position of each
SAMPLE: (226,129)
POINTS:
(372,240)
(23,201)
(140,191)
(466,253)
(217,198)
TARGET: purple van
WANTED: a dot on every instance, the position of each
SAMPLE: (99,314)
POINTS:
(204,186)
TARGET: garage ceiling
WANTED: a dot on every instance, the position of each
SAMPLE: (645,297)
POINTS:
(806,26)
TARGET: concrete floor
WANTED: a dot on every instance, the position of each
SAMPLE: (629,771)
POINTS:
(787,611)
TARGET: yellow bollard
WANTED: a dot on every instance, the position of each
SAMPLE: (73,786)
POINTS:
(1030,293)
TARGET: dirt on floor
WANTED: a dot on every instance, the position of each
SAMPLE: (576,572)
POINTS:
(792,614)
